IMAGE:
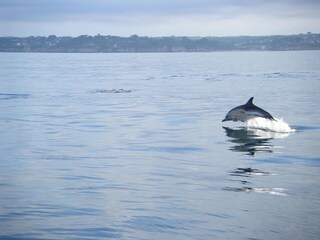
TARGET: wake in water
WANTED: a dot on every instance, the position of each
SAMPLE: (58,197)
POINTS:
(277,125)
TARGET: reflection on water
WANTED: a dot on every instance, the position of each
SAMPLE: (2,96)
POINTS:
(248,172)
(251,141)
(251,173)
(271,191)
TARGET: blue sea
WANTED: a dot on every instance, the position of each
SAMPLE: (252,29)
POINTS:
(131,146)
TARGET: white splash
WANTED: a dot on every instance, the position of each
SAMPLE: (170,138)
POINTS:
(276,126)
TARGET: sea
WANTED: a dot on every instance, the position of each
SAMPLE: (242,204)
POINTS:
(132,146)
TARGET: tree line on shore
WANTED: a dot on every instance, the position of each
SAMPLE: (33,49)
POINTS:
(135,43)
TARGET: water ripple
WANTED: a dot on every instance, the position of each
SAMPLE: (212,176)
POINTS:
(80,233)
(158,224)
(114,90)
(11,96)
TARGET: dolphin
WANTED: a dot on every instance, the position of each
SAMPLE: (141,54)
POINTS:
(245,112)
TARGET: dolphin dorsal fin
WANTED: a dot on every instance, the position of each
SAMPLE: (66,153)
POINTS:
(250,101)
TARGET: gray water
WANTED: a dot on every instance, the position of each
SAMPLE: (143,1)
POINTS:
(131,146)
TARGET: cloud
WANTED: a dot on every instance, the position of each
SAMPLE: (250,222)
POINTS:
(55,10)
(165,17)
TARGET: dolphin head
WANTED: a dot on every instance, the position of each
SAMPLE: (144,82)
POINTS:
(239,113)
(236,114)
(226,119)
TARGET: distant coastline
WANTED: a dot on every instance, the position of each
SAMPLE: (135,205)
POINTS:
(135,43)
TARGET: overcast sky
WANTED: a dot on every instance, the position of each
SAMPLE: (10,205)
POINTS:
(158,17)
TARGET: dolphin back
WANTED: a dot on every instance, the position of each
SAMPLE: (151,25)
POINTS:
(259,111)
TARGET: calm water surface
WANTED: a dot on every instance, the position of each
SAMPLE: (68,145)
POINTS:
(131,146)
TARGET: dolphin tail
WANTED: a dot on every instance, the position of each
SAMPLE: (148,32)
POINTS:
(272,118)
(269,116)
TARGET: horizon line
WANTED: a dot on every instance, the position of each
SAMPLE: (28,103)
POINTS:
(164,36)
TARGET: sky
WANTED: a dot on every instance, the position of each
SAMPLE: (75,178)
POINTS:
(22,18)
